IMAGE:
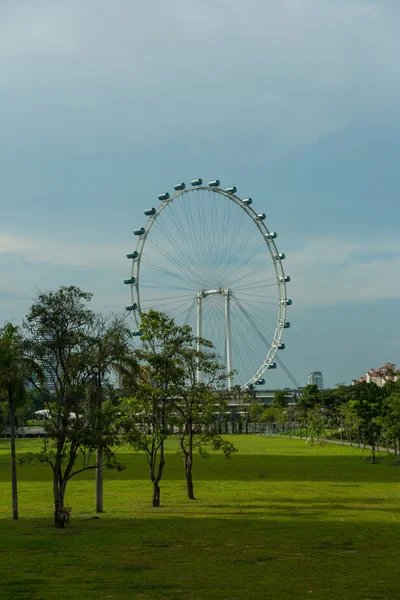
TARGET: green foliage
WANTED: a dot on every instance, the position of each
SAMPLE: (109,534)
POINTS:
(389,421)
(257,411)
(75,347)
(280,399)
(310,396)
(168,396)
(317,424)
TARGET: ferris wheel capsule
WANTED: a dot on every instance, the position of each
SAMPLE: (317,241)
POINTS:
(280,256)
(140,231)
(215,183)
(149,212)
(247,201)
(163,197)
(284,279)
(286,302)
(134,254)
(179,186)
(261,217)
(231,190)
(131,306)
(271,236)
(196,182)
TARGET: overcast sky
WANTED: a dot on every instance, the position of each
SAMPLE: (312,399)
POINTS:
(103,105)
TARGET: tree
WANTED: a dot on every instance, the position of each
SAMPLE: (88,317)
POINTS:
(317,424)
(390,420)
(148,413)
(198,402)
(14,370)
(310,396)
(110,351)
(280,399)
(68,340)
(367,399)
(256,412)
(350,421)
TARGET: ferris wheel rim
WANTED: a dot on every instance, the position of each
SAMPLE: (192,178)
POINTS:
(272,249)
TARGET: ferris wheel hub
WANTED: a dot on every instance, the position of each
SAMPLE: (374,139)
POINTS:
(220,291)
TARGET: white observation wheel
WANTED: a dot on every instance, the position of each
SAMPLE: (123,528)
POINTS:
(206,257)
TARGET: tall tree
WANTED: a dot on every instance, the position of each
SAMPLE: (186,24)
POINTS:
(280,399)
(367,400)
(197,403)
(149,411)
(15,368)
(310,396)
(389,421)
(69,341)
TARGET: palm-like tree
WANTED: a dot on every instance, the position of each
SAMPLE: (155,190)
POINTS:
(15,369)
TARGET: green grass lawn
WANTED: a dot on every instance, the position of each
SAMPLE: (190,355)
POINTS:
(281,520)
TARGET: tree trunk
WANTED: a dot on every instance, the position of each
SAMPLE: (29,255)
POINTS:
(156,495)
(14,490)
(99,481)
(373,452)
(59,517)
(189,480)
(189,466)
(99,453)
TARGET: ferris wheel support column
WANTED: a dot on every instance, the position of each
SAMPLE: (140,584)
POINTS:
(199,330)
(228,294)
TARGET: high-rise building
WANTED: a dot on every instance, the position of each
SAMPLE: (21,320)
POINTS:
(315,378)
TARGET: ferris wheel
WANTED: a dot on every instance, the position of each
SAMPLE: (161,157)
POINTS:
(206,258)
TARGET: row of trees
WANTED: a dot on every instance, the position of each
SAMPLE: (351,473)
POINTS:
(363,413)
(64,349)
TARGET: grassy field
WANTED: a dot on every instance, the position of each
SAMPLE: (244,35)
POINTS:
(281,520)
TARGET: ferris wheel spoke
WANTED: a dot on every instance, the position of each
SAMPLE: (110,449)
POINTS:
(166,301)
(258,286)
(181,263)
(183,267)
(254,325)
(151,284)
(189,312)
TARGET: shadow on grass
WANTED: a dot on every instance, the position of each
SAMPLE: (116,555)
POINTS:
(337,469)
(200,558)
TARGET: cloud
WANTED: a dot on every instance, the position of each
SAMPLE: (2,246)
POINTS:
(60,252)
(295,69)
(332,271)
(324,272)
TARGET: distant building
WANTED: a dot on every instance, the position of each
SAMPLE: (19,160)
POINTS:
(315,378)
(379,376)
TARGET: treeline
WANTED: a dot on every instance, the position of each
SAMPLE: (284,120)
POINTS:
(363,414)
(170,386)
